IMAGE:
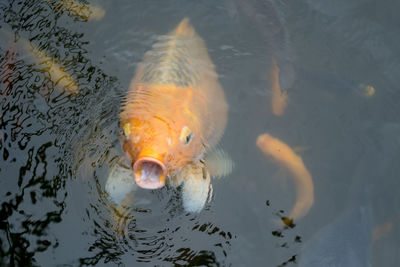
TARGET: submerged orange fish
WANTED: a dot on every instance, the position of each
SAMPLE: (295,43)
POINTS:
(175,109)
(56,72)
(284,155)
(278,97)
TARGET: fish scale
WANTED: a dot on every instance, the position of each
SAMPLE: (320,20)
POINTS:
(168,63)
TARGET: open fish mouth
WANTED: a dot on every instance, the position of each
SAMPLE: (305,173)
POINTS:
(149,173)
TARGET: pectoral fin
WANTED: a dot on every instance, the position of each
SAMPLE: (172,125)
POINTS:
(218,163)
(196,187)
(119,183)
(301,149)
(120,187)
(195,179)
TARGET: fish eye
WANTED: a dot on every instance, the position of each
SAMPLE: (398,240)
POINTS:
(186,135)
(127,129)
(188,138)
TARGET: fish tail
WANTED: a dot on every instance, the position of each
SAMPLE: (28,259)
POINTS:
(185,28)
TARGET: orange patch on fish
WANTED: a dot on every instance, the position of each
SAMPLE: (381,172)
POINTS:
(175,108)
(278,99)
(284,155)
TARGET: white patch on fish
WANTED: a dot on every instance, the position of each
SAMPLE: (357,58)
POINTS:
(195,193)
(136,139)
(169,141)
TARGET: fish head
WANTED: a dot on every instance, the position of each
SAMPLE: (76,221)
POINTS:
(159,147)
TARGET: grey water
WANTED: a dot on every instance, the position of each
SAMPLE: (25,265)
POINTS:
(57,147)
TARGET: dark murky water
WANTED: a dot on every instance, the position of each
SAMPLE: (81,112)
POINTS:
(57,145)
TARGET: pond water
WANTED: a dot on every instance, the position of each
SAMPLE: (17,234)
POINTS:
(58,140)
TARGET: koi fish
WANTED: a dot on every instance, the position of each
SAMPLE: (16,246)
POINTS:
(278,98)
(285,156)
(175,111)
(264,15)
(57,74)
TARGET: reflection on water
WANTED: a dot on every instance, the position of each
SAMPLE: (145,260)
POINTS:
(39,123)
(57,147)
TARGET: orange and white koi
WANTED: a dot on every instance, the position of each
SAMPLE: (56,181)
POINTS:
(175,110)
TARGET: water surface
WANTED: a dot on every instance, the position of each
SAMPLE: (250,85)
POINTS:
(57,146)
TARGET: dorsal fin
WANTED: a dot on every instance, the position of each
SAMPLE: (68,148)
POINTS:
(184,28)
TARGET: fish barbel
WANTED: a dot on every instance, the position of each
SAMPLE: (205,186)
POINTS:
(175,109)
